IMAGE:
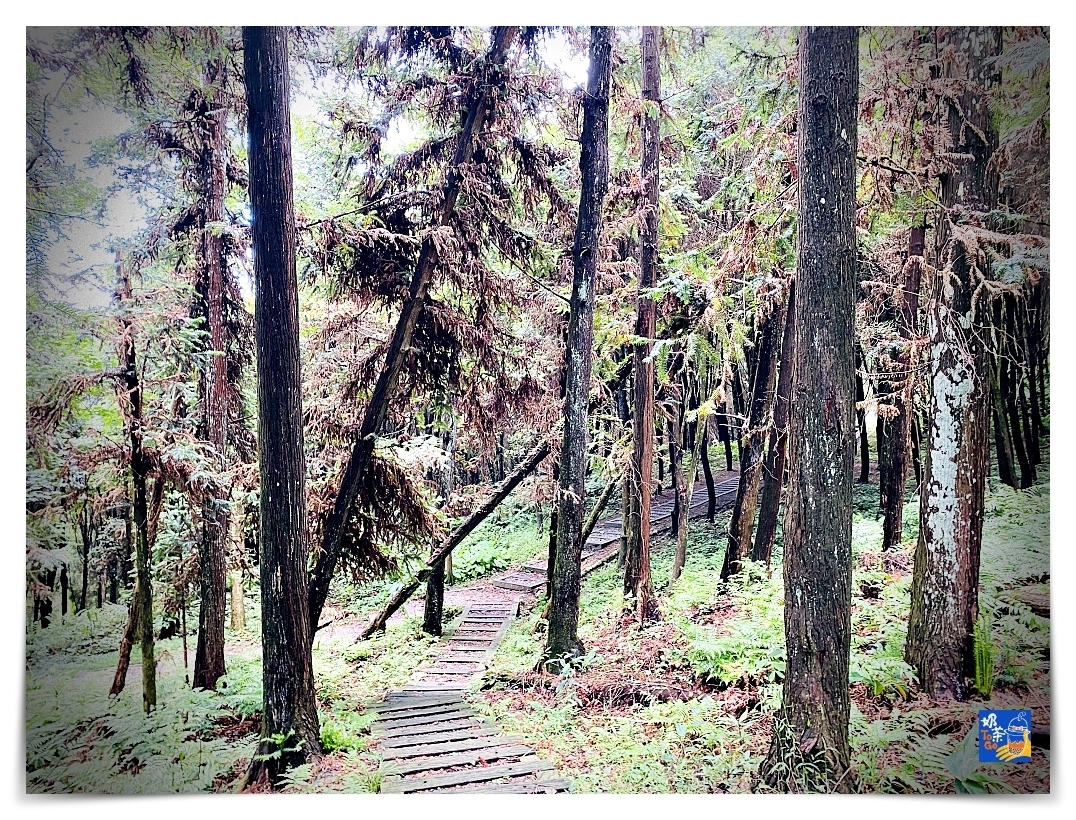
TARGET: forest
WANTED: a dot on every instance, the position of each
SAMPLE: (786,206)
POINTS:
(537,409)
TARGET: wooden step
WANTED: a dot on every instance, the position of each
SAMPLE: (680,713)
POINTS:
(404,785)
(522,785)
(428,728)
(439,737)
(400,703)
(447,761)
(381,726)
(428,749)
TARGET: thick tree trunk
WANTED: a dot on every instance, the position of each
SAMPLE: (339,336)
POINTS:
(385,387)
(502,492)
(562,639)
(773,472)
(945,581)
(289,704)
(754,442)
(213,386)
(130,397)
(239,612)
(812,724)
(637,583)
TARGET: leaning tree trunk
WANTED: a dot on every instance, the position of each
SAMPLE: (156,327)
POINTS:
(812,724)
(562,638)
(290,707)
(945,580)
(376,411)
(754,443)
(773,472)
(213,386)
(131,404)
(456,538)
(637,583)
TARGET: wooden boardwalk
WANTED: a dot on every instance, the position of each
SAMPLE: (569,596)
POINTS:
(604,543)
(431,739)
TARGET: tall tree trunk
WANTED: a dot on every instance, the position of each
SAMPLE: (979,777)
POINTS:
(289,704)
(725,437)
(812,724)
(488,79)
(945,580)
(1002,443)
(63,591)
(773,472)
(236,535)
(562,638)
(893,486)
(754,442)
(213,385)
(637,583)
(130,397)
(1013,399)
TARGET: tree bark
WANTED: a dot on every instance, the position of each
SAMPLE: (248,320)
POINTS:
(945,581)
(289,711)
(754,442)
(387,380)
(434,605)
(861,421)
(63,591)
(681,512)
(812,723)
(130,397)
(637,583)
(562,639)
(773,472)
(213,385)
(708,475)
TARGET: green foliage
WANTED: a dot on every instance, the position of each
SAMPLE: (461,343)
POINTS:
(984,656)
(501,541)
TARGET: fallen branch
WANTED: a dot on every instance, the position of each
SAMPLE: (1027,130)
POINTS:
(456,538)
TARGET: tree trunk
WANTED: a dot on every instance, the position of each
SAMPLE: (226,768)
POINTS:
(63,591)
(1002,443)
(213,385)
(773,472)
(239,613)
(434,605)
(945,581)
(896,482)
(725,437)
(562,638)
(812,724)
(289,704)
(130,632)
(754,442)
(456,538)
(681,512)
(637,582)
(130,399)
(861,422)
(385,387)
(708,475)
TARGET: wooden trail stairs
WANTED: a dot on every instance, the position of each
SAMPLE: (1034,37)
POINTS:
(431,739)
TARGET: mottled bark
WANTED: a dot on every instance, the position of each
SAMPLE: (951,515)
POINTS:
(289,705)
(562,639)
(945,581)
(130,399)
(812,723)
(638,586)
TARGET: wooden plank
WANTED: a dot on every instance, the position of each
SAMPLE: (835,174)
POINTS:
(439,737)
(419,720)
(460,759)
(432,728)
(421,710)
(435,686)
(400,703)
(518,786)
(425,750)
(403,785)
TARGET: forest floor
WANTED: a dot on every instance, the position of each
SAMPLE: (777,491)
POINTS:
(684,705)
